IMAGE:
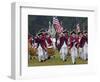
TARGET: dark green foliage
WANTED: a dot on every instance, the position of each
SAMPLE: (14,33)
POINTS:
(36,23)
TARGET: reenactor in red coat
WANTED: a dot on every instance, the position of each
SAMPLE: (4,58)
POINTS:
(63,45)
(43,41)
(85,47)
(43,45)
(36,40)
(73,47)
(57,43)
(82,42)
(85,36)
(62,39)
(66,37)
(50,46)
(40,50)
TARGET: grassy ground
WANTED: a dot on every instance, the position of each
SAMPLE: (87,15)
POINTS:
(54,61)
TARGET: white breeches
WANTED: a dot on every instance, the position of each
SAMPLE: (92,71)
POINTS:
(81,54)
(85,53)
(41,55)
(74,54)
(63,53)
(45,55)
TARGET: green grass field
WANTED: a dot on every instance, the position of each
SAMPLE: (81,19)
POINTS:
(55,61)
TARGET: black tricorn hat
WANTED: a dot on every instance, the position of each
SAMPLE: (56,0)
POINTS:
(65,31)
(39,34)
(73,32)
(46,33)
(85,31)
(80,32)
(42,30)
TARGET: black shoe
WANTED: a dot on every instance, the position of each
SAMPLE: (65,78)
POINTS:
(65,59)
(74,62)
(49,57)
(42,60)
(86,59)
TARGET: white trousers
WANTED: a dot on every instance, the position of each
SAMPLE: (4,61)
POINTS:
(81,53)
(74,54)
(63,53)
(45,55)
(41,55)
(85,53)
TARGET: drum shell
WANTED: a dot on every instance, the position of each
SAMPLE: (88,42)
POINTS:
(32,51)
(50,51)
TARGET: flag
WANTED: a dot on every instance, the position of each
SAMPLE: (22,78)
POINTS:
(51,30)
(77,28)
(57,25)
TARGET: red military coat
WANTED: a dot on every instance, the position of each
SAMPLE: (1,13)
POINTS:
(73,40)
(62,40)
(43,42)
(82,41)
(49,41)
(66,39)
(36,39)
